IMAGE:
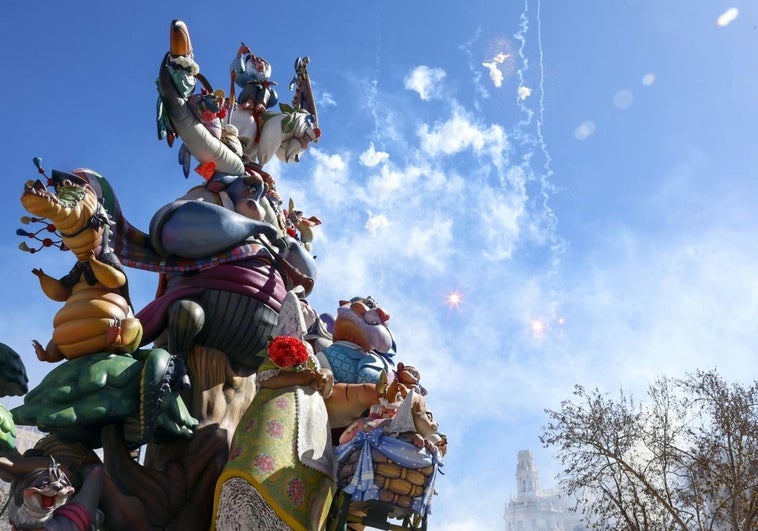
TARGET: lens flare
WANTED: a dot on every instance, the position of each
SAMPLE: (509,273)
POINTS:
(454,299)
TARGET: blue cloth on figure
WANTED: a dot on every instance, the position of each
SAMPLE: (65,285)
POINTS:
(351,364)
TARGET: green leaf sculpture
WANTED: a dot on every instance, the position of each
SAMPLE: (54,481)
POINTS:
(80,396)
(7,432)
(13,379)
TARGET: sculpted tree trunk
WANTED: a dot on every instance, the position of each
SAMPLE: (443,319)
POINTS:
(683,460)
(219,395)
(174,490)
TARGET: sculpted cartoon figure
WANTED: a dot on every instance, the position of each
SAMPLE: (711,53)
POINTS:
(296,220)
(256,431)
(64,487)
(253,75)
(281,469)
(263,132)
(43,497)
(362,342)
(241,260)
(408,419)
(424,428)
(393,459)
(406,379)
(97,316)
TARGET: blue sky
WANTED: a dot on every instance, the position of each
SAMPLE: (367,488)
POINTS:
(581,173)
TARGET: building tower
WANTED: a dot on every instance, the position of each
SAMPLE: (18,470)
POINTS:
(533,509)
(527,477)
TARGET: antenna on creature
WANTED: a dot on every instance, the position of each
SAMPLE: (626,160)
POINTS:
(44,241)
(49,227)
(38,163)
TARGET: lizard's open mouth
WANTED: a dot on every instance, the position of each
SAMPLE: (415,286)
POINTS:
(67,196)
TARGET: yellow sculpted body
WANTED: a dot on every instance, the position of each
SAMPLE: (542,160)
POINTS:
(96,316)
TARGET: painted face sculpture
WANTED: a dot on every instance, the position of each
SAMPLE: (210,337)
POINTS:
(35,497)
(362,321)
(361,341)
(257,68)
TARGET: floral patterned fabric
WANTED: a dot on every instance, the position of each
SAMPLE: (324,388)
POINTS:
(264,453)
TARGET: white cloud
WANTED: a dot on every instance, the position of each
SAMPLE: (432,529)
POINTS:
(392,180)
(524,92)
(429,242)
(502,216)
(426,81)
(376,222)
(371,157)
(346,270)
(413,228)
(727,17)
(460,133)
(330,177)
(682,305)
(326,99)
(334,163)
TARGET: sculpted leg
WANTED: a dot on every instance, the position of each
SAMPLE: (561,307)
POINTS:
(186,319)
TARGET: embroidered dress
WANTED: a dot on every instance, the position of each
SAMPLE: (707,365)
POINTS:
(282,449)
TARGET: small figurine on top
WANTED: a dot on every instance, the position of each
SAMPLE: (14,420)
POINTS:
(253,75)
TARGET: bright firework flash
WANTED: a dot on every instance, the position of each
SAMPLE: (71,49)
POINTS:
(540,327)
(500,58)
(454,299)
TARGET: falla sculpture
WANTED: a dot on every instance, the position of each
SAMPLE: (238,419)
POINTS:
(227,402)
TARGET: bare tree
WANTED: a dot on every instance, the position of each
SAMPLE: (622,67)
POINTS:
(686,459)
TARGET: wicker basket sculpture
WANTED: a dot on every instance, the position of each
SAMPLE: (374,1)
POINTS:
(397,485)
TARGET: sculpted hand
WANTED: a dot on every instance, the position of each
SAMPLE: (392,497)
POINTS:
(39,350)
(317,382)
(325,380)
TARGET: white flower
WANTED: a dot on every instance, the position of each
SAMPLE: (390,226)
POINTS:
(186,62)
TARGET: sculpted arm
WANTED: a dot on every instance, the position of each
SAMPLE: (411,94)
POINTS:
(52,287)
(288,379)
(107,275)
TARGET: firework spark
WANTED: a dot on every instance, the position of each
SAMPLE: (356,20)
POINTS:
(537,326)
(454,299)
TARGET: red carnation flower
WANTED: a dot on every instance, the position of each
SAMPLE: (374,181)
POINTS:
(286,351)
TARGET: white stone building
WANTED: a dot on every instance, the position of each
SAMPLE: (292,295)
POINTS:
(533,509)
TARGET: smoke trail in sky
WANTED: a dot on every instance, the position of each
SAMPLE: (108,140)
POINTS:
(527,134)
(374,104)
(474,67)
